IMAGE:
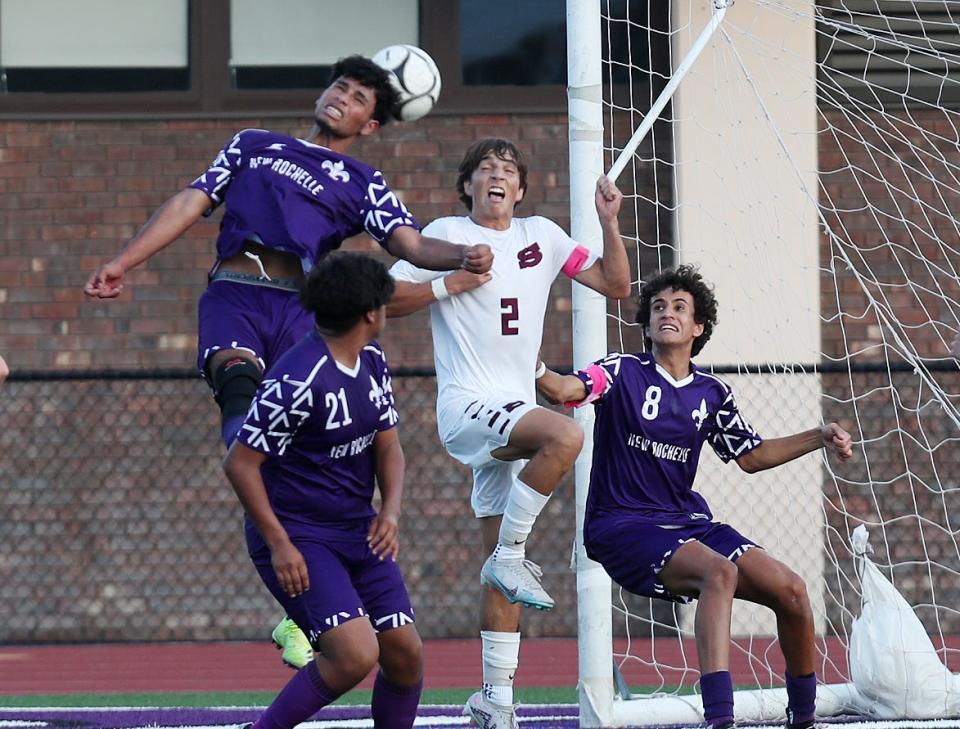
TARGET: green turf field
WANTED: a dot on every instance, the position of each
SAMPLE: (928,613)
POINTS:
(562,695)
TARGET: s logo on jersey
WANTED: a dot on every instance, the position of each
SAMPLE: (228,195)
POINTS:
(530,256)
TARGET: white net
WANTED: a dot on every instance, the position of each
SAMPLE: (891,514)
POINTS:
(809,164)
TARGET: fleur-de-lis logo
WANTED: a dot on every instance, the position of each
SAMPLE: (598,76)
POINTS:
(335,171)
(700,414)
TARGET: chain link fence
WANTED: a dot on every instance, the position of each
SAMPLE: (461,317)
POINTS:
(118,524)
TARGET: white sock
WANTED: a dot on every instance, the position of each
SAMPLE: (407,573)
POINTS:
(501,655)
(523,507)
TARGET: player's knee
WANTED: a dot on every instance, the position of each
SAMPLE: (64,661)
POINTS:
(567,439)
(794,599)
(235,384)
(354,662)
(402,659)
(722,577)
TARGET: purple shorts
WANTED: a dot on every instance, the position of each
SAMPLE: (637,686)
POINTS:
(346,581)
(633,551)
(262,320)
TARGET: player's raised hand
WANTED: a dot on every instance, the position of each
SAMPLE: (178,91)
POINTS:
(478,258)
(462,281)
(291,568)
(837,438)
(384,536)
(106,282)
(608,198)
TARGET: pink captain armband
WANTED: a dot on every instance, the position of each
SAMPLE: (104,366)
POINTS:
(598,383)
(575,262)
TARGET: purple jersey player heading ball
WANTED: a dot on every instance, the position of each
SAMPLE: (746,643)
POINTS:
(644,522)
(320,436)
(288,203)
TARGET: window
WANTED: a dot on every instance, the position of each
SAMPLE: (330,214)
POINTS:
(506,43)
(296,46)
(889,53)
(95,45)
(222,57)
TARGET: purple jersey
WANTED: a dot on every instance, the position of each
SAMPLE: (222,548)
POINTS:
(648,435)
(316,421)
(295,196)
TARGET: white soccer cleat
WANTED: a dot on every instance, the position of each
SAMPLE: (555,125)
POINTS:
(488,715)
(518,580)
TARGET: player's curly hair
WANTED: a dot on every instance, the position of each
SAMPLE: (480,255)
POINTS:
(343,287)
(502,148)
(364,71)
(682,278)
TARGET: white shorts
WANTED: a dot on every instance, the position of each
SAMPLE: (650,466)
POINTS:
(472,426)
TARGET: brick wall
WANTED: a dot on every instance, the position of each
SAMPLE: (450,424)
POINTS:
(72,192)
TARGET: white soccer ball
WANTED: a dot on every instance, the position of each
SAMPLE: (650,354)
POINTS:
(415,76)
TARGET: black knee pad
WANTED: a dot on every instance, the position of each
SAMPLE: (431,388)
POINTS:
(234,384)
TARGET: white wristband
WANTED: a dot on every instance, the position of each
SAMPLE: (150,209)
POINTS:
(541,371)
(439,288)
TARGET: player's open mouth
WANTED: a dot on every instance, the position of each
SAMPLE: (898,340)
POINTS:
(497,193)
(669,328)
(333,112)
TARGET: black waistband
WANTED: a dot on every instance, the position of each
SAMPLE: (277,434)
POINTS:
(250,279)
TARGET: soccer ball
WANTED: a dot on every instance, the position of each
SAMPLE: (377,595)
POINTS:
(415,76)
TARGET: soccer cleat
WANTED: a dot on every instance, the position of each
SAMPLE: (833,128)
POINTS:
(488,715)
(518,580)
(290,639)
(811,724)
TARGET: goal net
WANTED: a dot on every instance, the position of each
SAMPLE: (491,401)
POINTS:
(808,162)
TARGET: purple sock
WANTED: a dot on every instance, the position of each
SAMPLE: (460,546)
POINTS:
(230,429)
(301,698)
(801,698)
(716,689)
(392,706)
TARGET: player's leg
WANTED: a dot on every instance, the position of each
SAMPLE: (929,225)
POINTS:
(767,581)
(399,682)
(698,571)
(493,706)
(347,649)
(345,655)
(242,328)
(234,375)
(551,442)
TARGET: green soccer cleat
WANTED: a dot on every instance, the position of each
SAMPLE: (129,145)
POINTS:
(290,639)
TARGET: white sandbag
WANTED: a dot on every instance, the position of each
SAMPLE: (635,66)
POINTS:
(892,662)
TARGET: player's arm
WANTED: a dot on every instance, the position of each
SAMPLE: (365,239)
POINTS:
(409,297)
(434,254)
(557,388)
(777,451)
(242,467)
(385,529)
(609,274)
(4,370)
(166,225)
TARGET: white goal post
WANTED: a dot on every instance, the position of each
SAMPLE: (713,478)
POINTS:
(839,144)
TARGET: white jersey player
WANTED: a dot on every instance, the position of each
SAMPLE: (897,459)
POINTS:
(487,331)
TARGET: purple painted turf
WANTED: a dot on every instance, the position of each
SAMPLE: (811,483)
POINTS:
(560,717)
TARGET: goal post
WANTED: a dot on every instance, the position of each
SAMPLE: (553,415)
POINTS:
(585,110)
